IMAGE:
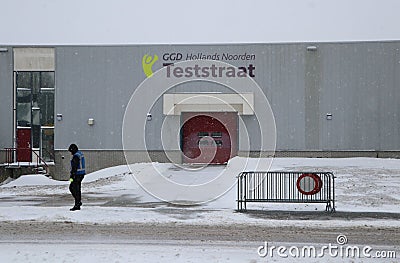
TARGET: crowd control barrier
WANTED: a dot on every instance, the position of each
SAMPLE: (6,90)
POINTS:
(287,187)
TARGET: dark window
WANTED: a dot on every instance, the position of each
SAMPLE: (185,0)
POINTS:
(47,80)
(24,80)
(46,105)
(24,106)
(35,83)
(216,134)
(202,134)
(48,144)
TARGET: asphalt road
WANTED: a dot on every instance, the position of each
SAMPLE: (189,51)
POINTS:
(241,233)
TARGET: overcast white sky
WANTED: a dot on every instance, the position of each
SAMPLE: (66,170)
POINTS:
(201,21)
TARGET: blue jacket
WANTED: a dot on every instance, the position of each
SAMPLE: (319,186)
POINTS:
(78,164)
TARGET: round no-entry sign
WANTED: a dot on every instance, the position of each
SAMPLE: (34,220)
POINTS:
(309,184)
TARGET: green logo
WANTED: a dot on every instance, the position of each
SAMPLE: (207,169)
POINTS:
(147,64)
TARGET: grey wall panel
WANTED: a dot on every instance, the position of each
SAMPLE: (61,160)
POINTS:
(357,80)
(312,93)
(93,82)
(358,83)
(282,79)
(389,111)
(6,99)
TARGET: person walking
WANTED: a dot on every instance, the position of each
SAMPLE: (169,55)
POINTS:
(76,175)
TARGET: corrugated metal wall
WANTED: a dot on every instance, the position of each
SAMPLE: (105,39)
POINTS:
(93,82)
(6,98)
(361,88)
(358,83)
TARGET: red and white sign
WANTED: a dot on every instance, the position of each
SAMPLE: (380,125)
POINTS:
(309,184)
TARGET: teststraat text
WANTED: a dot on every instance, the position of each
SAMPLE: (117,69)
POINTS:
(213,70)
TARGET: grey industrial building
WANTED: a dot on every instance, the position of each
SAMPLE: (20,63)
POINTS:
(328,100)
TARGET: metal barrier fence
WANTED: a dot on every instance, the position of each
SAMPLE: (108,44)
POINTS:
(288,187)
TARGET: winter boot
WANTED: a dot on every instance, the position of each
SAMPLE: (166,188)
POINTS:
(75,208)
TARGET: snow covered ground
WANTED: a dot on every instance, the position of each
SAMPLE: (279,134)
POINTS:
(112,195)
(366,192)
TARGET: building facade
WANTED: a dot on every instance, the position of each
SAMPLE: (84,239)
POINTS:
(327,100)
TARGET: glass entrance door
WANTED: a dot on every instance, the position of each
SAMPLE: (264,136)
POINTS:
(35,111)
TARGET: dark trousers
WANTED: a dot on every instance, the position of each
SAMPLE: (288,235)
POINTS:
(75,189)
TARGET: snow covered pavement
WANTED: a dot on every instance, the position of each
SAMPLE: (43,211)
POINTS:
(368,202)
